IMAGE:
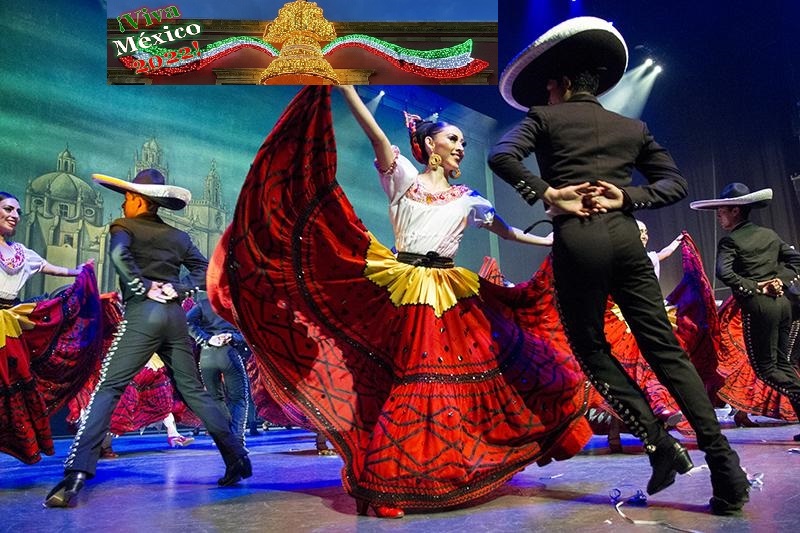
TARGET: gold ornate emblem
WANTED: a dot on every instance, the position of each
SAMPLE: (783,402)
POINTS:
(301,27)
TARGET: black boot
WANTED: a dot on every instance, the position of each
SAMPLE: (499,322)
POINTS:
(236,471)
(63,494)
(731,488)
(667,459)
(730,495)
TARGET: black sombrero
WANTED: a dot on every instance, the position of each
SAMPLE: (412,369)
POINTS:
(149,182)
(577,44)
(736,194)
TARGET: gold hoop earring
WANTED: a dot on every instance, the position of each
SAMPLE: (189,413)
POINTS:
(455,173)
(434,160)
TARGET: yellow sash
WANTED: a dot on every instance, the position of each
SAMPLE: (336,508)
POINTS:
(440,288)
(14,320)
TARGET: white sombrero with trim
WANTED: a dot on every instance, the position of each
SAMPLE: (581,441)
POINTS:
(581,43)
(149,182)
(736,194)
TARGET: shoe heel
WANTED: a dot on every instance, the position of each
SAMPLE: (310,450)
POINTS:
(667,461)
(682,463)
(743,421)
(236,472)
(381,511)
(247,469)
(63,494)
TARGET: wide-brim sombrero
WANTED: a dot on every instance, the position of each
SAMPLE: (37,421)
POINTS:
(581,43)
(736,194)
(168,196)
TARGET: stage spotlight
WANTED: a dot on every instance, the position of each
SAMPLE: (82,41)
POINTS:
(575,8)
(373,104)
(433,117)
(658,69)
(630,95)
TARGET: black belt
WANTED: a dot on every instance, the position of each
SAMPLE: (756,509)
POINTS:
(7,304)
(430,260)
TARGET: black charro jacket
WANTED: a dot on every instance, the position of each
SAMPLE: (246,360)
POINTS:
(579,141)
(751,253)
(204,323)
(145,249)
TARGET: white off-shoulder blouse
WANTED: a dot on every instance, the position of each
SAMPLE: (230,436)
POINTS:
(424,221)
(15,271)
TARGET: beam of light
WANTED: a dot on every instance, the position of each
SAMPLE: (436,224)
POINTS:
(648,62)
(373,104)
(630,95)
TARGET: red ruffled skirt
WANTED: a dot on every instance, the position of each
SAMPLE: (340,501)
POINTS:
(743,389)
(149,399)
(46,362)
(422,379)
(277,414)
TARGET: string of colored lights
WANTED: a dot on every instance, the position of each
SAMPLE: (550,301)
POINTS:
(418,57)
(442,63)
(204,57)
(441,69)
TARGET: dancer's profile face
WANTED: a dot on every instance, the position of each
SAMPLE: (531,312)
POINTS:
(10,214)
(132,205)
(728,217)
(449,143)
(643,236)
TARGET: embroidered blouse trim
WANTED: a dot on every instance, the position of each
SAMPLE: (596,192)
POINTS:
(392,167)
(13,264)
(418,193)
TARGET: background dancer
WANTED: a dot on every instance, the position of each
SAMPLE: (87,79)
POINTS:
(758,266)
(222,351)
(47,348)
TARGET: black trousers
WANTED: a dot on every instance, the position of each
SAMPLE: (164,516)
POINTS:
(223,372)
(148,327)
(767,325)
(601,256)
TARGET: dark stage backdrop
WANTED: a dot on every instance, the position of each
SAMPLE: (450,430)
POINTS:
(727,104)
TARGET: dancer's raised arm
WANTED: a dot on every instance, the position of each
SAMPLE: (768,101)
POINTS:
(380,143)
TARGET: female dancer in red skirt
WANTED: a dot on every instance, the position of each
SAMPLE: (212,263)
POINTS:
(47,348)
(418,371)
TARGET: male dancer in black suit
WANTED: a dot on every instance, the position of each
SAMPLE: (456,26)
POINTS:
(586,156)
(222,367)
(758,266)
(148,255)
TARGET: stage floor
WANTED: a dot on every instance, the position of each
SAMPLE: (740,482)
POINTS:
(153,488)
